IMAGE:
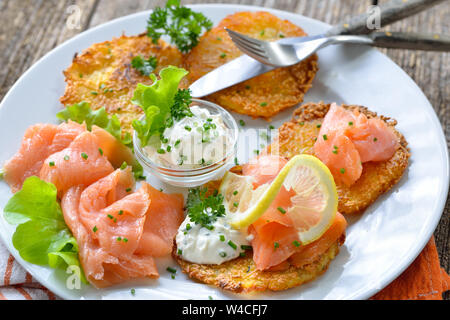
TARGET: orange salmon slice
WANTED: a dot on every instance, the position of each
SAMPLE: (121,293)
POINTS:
(348,139)
(39,142)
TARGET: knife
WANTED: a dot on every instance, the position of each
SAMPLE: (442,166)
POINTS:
(244,67)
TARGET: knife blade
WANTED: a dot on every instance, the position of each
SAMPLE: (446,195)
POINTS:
(236,71)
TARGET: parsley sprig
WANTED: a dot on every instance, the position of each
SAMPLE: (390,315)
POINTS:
(181,24)
(180,108)
(144,66)
(204,210)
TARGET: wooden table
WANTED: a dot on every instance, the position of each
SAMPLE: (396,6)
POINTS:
(31,28)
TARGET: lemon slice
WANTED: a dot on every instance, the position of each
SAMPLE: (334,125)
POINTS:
(314,204)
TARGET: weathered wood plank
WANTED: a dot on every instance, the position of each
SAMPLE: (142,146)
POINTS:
(31,28)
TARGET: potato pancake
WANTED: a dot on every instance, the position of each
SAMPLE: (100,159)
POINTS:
(103,76)
(299,135)
(263,96)
(241,276)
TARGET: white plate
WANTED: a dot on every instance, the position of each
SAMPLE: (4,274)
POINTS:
(380,244)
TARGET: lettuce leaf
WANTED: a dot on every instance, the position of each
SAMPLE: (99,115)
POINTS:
(42,236)
(156,100)
(82,112)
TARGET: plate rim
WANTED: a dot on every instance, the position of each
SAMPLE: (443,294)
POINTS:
(368,292)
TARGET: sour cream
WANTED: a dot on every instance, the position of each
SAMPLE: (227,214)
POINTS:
(200,245)
(192,142)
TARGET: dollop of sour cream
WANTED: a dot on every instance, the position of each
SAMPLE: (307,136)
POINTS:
(192,142)
(200,245)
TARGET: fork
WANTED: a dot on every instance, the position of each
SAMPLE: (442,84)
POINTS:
(290,51)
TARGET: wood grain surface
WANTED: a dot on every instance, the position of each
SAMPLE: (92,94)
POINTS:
(31,28)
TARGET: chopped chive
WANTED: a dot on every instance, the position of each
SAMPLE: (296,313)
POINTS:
(100,150)
(124,165)
(210,298)
(263,104)
(342,170)
(128,189)
(110,216)
(325,137)
(335,151)
(66,158)
(302,123)
(232,244)
(256,152)
(169,148)
(171,270)
(276,245)
(51,164)
(236,204)
(242,254)
(115,220)
(81,75)
(223,55)
(247,87)
(296,243)
(271,127)
(95,229)
(120,212)
(172,276)
(245,247)
(94,93)
(282,35)
(281,210)
(161,151)
(188,128)
(222,238)
(262,32)
(179,252)
(223,254)
(242,122)
(236,162)
(177,142)
(133,291)
(375,139)
(188,227)
(319,125)
(119,238)
(235,192)
(84,156)
(219,39)
(350,123)
(125,239)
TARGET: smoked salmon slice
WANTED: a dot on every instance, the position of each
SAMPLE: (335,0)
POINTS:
(108,227)
(118,231)
(39,142)
(165,215)
(275,238)
(81,163)
(348,139)
(311,252)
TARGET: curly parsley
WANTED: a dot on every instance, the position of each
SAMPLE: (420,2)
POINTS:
(145,67)
(204,210)
(181,24)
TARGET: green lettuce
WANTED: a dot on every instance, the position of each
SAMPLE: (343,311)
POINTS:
(82,112)
(42,236)
(156,100)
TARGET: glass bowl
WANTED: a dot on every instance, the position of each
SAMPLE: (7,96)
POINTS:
(193,177)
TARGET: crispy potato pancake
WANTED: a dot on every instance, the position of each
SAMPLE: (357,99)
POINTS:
(103,75)
(298,136)
(263,96)
(241,276)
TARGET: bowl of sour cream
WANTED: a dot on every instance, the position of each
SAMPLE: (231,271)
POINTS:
(194,149)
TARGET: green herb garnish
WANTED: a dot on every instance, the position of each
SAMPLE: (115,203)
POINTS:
(183,25)
(204,210)
(144,66)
